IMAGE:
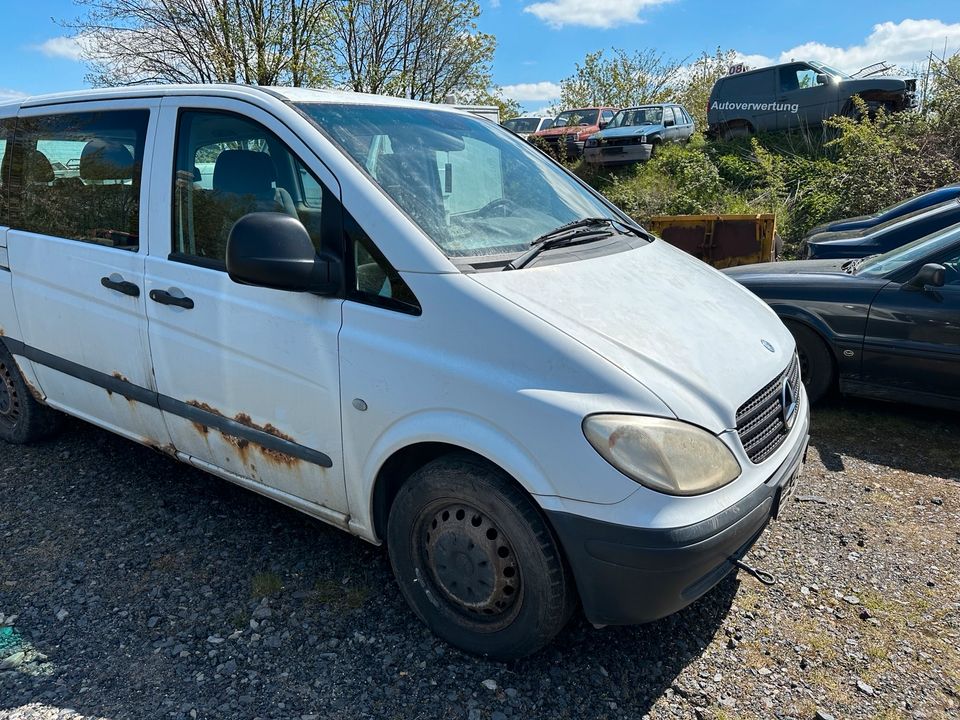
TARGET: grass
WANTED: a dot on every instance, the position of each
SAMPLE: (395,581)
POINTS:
(265,584)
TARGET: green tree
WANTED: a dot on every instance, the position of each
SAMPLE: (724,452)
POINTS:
(695,82)
(620,80)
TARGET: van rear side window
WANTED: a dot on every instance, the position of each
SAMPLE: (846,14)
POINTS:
(79,176)
(6,137)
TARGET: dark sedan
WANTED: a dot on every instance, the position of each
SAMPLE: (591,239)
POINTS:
(861,222)
(886,327)
(886,236)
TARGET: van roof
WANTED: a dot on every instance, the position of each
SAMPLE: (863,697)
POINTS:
(290,94)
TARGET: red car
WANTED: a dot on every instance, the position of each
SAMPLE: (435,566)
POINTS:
(570,130)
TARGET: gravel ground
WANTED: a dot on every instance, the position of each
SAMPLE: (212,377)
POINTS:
(134,587)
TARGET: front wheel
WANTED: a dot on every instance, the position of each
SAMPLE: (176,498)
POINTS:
(476,561)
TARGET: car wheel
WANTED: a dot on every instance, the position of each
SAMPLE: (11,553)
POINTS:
(816,363)
(22,418)
(476,561)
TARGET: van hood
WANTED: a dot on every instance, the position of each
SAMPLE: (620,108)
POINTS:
(690,335)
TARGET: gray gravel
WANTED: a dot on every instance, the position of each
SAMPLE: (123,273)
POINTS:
(134,587)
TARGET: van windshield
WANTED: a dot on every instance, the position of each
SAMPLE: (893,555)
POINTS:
(472,187)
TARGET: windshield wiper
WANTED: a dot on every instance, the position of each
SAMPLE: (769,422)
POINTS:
(573,233)
(851,266)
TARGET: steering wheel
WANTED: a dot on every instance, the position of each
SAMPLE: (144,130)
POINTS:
(492,206)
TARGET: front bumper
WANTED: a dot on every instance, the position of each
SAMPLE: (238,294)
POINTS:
(628,575)
(618,155)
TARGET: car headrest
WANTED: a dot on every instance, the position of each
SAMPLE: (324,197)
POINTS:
(104,160)
(244,172)
(39,169)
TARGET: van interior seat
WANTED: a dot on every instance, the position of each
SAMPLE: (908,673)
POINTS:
(243,182)
(248,172)
(412,178)
(107,171)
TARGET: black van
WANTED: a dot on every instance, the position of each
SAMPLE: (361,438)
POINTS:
(797,94)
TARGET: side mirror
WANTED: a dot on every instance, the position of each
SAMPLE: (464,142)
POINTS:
(602,124)
(669,123)
(823,79)
(930,275)
(274,250)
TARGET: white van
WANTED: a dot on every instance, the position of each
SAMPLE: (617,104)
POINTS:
(402,320)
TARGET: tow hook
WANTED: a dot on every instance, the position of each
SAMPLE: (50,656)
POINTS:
(761,575)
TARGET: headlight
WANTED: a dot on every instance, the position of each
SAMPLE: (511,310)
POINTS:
(643,140)
(591,142)
(665,455)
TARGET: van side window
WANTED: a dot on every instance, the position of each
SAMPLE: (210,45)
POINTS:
(797,78)
(79,176)
(6,140)
(226,167)
(370,277)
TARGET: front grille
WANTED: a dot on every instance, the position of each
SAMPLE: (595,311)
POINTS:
(623,142)
(760,420)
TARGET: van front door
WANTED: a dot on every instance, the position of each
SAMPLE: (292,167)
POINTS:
(76,249)
(248,377)
(803,102)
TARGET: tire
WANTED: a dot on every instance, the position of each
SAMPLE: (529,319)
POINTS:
(23,419)
(476,561)
(816,362)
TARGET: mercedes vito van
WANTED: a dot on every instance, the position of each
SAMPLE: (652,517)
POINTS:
(402,320)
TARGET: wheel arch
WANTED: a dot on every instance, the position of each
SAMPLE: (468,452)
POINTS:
(821,330)
(417,441)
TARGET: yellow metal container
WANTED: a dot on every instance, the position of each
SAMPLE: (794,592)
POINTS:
(720,240)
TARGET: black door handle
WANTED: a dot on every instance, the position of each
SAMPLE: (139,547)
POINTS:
(122,286)
(165,298)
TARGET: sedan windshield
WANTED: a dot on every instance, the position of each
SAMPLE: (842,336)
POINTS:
(571,118)
(522,125)
(891,261)
(638,116)
(472,187)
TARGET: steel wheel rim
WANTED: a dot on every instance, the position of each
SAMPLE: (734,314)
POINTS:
(469,563)
(9,398)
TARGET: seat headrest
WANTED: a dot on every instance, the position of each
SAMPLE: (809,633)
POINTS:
(105,160)
(244,172)
(39,169)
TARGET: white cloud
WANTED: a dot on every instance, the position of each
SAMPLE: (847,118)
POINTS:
(591,13)
(70,48)
(7,95)
(905,43)
(544,90)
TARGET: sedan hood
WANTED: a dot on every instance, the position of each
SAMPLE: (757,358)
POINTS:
(562,130)
(629,131)
(673,323)
(790,267)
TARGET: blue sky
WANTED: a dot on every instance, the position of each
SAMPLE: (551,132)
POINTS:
(539,41)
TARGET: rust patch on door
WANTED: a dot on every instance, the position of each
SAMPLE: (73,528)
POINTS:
(243,445)
(276,456)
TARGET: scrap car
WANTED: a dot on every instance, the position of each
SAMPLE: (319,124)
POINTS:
(635,133)
(570,130)
(798,94)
